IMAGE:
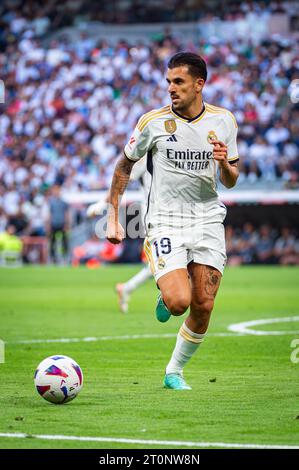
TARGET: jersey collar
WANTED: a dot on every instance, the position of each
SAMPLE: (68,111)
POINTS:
(196,118)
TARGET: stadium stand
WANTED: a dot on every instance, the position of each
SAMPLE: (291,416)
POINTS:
(71,105)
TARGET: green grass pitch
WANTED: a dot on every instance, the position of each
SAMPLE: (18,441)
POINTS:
(245,388)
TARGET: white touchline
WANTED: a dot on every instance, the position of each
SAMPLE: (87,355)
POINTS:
(245,327)
(227,445)
(236,329)
(107,338)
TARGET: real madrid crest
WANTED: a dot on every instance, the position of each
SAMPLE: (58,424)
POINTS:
(161,263)
(170,126)
(211,137)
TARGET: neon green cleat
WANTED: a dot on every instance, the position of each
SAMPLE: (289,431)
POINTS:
(162,312)
(175,382)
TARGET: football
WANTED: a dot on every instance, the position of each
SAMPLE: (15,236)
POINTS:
(58,379)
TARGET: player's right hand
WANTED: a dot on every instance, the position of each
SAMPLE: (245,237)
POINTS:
(115,233)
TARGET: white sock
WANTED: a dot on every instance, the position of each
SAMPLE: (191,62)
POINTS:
(138,279)
(186,344)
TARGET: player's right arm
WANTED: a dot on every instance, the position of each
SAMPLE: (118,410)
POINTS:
(121,176)
(136,148)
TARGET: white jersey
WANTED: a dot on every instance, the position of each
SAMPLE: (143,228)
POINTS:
(180,161)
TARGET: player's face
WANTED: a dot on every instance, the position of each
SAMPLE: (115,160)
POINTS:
(183,87)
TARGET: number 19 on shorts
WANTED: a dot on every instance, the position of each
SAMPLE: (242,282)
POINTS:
(162,247)
(156,252)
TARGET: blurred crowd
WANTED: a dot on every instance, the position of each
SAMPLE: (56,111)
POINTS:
(58,15)
(263,245)
(71,106)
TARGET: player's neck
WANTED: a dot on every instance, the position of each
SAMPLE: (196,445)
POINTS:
(192,111)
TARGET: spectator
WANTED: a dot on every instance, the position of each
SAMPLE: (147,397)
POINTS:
(251,245)
(10,246)
(61,101)
(286,248)
(58,223)
(37,213)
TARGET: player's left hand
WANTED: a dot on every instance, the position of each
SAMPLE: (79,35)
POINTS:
(220,151)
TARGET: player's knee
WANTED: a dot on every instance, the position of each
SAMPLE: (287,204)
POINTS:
(178,304)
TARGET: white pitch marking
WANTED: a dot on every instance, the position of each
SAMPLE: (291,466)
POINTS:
(107,338)
(236,329)
(227,445)
(244,327)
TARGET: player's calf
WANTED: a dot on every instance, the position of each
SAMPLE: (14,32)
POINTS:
(200,314)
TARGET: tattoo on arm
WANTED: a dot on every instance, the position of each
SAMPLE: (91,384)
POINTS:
(120,180)
(212,282)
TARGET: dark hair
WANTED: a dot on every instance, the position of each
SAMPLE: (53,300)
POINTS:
(195,63)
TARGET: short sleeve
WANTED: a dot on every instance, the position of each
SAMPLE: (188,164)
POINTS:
(139,143)
(231,141)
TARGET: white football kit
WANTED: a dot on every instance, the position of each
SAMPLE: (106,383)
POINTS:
(184,218)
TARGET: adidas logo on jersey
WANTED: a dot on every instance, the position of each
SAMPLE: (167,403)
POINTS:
(172,138)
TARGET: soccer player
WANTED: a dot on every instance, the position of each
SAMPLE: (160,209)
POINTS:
(186,143)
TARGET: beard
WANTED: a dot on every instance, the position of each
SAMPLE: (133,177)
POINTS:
(182,105)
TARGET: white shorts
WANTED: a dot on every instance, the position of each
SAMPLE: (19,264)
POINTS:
(168,249)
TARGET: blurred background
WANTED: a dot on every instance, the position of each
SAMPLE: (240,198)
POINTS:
(76,77)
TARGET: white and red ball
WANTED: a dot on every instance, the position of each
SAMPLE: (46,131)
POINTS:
(58,379)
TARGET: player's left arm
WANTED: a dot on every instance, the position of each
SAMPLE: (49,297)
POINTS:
(229,172)
(227,153)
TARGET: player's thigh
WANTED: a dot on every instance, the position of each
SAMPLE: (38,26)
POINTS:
(175,288)
(168,258)
(205,282)
(209,246)
(165,253)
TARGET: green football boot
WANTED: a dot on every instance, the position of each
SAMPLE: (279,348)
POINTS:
(162,312)
(175,382)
